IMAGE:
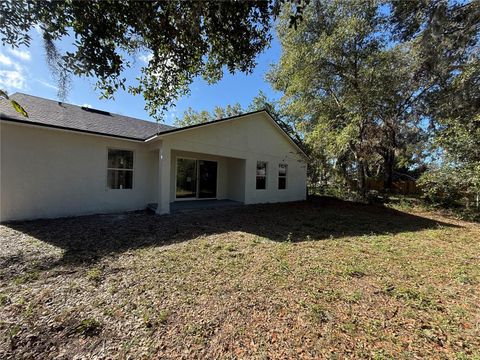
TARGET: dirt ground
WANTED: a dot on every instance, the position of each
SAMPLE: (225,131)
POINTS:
(308,280)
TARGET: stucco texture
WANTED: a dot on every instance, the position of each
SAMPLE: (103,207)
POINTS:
(53,173)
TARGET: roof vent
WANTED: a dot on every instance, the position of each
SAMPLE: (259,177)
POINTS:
(96,111)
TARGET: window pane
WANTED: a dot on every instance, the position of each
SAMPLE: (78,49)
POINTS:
(261,183)
(186,178)
(282,170)
(261,168)
(120,159)
(120,179)
(207,179)
(282,183)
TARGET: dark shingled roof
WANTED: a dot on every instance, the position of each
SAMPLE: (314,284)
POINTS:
(57,114)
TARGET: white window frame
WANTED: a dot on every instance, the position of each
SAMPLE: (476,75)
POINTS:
(196,178)
(257,176)
(282,176)
(121,169)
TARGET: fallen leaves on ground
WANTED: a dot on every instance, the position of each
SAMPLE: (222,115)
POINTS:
(307,280)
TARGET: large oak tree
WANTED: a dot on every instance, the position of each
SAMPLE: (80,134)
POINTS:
(351,86)
(184,39)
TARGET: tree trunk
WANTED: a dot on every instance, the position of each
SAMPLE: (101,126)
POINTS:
(361,183)
(389,163)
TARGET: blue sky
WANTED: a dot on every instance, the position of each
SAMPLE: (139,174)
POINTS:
(25,70)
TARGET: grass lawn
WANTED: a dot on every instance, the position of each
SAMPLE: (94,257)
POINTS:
(319,279)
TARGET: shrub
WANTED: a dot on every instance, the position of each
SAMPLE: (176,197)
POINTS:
(452,186)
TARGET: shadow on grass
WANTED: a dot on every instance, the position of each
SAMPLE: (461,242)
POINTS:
(89,238)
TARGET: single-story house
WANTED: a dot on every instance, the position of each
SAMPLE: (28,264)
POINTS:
(68,160)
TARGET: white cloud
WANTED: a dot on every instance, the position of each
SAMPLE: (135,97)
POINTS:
(21,54)
(12,79)
(13,75)
(86,105)
(5,60)
(47,84)
(146,58)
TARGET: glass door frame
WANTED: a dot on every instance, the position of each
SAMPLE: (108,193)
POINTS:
(176,178)
(197,175)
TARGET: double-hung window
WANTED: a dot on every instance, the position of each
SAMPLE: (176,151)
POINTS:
(261,175)
(282,176)
(120,169)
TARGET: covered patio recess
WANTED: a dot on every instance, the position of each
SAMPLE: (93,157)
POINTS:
(247,159)
(198,180)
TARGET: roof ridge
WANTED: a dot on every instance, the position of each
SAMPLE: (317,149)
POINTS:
(148,121)
(81,107)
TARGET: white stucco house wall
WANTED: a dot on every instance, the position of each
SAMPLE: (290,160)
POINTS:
(66,160)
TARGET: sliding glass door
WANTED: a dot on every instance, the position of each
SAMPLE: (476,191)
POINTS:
(186,179)
(196,179)
(207,179)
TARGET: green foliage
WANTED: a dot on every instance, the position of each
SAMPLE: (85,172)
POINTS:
(4,300)
(152,320)
(193,117)
(26,277)
(18,108)
(320,314)
(361,79)
(457,179)
(262,102)
(440,186)
(445,33)
(259,102)
(445,36)
(365,82)
(352,90)
(452,185)
(184,39)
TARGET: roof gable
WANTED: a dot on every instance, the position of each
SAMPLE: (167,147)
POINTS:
(235,118)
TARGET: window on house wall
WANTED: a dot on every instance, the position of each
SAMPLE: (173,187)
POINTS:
(120,169)
(282,176)
(261,175)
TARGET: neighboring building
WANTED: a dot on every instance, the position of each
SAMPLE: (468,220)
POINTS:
(67,160)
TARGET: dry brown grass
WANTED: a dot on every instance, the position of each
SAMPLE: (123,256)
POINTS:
(319,279)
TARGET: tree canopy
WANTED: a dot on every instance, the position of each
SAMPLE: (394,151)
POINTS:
(341,76)
(259,102)
(193,117)
(371,83)
(184,39)
(446,36)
